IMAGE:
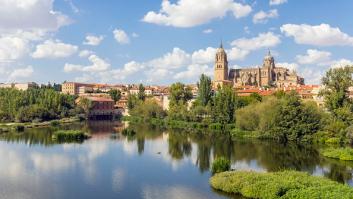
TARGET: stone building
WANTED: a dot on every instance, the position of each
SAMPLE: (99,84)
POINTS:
(268,75)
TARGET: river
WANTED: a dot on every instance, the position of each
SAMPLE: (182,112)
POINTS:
(153,163)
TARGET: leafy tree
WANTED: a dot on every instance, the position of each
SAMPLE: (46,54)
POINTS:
(179,94)
(148,109)
(115,94)
(141,93)
(131,101)
(205,89)
(336,83)
(86,105)
(224,104)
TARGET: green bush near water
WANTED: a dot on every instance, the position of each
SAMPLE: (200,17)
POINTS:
(339,153)
(69,136)
(220,165)
(284,184)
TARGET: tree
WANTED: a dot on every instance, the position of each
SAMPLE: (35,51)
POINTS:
(86,105)
(141,93)
(205,89)
(115,94)
(336,83)
(224,104)
(179,93)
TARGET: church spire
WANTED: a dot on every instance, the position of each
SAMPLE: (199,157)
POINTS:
(269,53)
(221,46)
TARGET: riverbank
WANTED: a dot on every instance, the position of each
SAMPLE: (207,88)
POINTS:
(283,184)
(182,125)
(345,154)
(15,126)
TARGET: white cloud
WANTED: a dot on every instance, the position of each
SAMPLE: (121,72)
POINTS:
(263,40)
(12,47)
(97,65)
(30,15)
(189,13)
(320,35)
(93,40)
(263,17)
(313,56)
(135,35)
(121,37)
(341,63)
(237,54)
(128,69)
(208,31)
(194,71)
(204,56)
(54,49)
(290,66)
(277,2)
(85,53)
(175,59)
(21,73)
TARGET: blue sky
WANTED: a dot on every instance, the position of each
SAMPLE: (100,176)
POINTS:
(161,42)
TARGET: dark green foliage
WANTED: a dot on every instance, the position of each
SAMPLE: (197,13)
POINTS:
(128,132)
(147,109)
(205,89)
(141,94)
(285,118)
(115,94)
(336,82)
(284,184)
(220,165)
(224,104)
(34,104)
(132,100)
(179,94)
(69,136)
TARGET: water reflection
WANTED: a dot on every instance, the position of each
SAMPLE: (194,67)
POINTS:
(152,163)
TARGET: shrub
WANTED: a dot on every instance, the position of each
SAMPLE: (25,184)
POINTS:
(283,184)
(69,136)
(128,132)
(220,165)
(54,123)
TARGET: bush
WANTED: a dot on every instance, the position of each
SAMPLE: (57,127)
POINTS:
(128,132)
(220,165)
(284,184)
(69,136)
(54,123)
(338,153)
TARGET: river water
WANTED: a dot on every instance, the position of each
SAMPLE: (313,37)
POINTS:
(153,163)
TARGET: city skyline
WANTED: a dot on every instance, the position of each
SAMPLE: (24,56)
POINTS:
(161,43)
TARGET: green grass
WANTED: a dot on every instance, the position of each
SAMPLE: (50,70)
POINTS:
(284,184)
(69,136)
(338,153)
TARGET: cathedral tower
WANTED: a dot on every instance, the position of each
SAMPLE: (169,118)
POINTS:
(221,65)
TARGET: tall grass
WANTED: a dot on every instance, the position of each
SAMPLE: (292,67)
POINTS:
(69,136)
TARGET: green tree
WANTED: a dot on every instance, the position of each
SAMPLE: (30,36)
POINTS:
(205,89)
(131,101)
(115,94)
(336,83)
(141,94)
(86,105)
(179,93)
(224,104)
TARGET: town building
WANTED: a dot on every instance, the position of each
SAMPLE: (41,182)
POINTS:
(268,75)
(102,108)
(74,88)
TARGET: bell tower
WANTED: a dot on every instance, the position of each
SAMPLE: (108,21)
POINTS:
(221,65)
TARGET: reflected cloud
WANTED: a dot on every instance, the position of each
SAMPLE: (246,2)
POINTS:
(172,192)
(52,162)
(118,177)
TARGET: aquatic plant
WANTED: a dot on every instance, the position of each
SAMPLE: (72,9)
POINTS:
(220,165)
(283,184)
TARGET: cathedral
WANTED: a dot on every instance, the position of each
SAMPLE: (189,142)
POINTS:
(268,75)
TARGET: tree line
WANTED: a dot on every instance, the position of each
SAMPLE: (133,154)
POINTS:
(35,104)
